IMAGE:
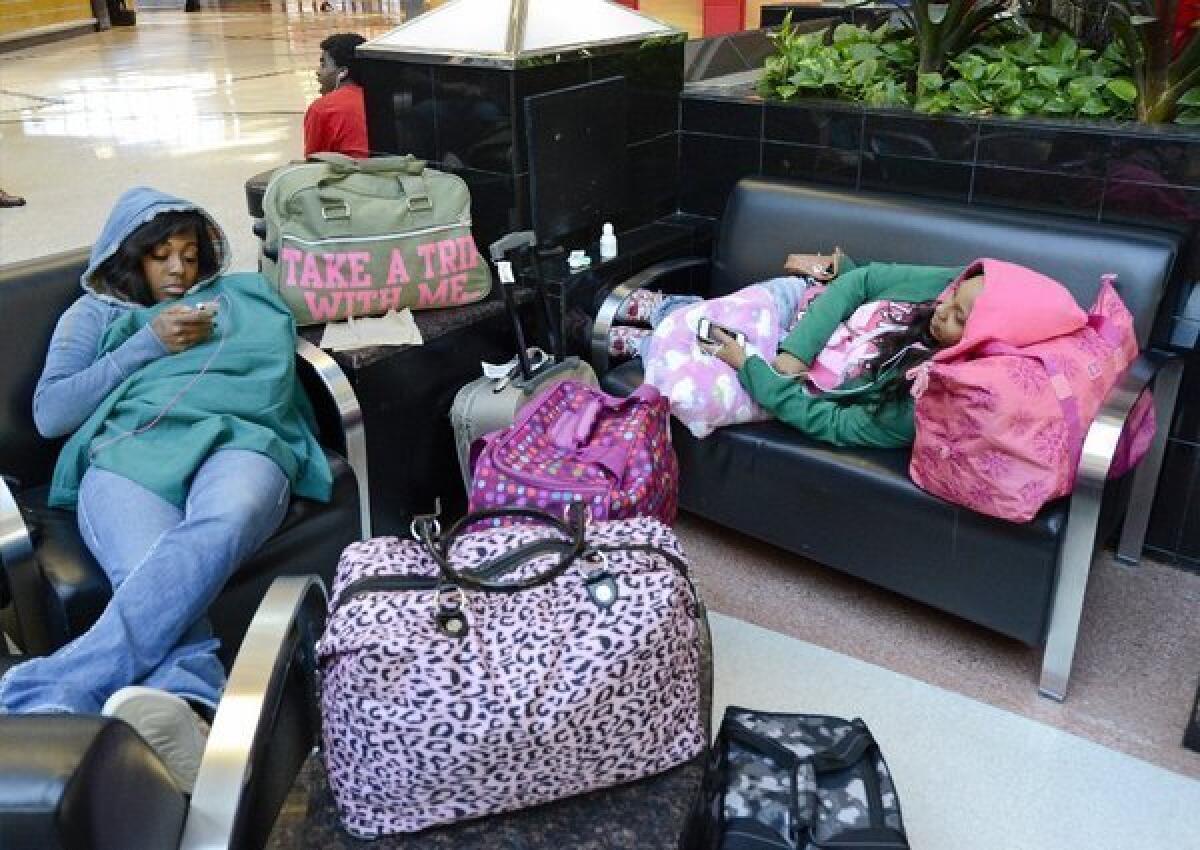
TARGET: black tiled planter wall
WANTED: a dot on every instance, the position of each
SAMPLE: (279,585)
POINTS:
(471,120)
(1102,172)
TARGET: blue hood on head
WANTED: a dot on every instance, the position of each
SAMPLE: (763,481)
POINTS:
(133,209)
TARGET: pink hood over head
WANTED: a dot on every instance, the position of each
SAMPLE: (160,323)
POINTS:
(1017,306)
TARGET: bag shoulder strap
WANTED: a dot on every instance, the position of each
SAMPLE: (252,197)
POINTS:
(407,164)
(1059,384)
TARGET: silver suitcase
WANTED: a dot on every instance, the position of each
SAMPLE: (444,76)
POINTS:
(489,404)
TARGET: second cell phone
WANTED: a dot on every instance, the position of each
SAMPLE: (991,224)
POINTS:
(704,333)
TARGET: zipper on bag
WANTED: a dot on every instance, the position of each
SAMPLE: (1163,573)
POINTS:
(424,231)
(502,566)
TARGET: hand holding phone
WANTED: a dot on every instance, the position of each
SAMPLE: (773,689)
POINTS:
(705,336)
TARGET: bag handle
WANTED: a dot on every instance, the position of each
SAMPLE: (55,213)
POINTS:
(848,751)
(407,164)
(574,528)
(411,178)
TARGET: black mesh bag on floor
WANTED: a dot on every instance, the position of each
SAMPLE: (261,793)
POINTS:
(794,782)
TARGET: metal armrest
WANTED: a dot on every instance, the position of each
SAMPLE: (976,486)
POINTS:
(353,432)
(15,543)
(1083,519)
(608,310)
(289,618)
(1166,371)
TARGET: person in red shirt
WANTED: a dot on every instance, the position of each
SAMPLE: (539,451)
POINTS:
(336,122)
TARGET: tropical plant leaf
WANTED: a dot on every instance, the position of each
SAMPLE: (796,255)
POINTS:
(1191,97)
(1124,90)
(929,82)
(1190,117)
(1048,75)
(1032,101)
(847,33)
(864,71)
(863,51)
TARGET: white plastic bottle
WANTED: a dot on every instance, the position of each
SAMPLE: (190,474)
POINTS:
(608,242)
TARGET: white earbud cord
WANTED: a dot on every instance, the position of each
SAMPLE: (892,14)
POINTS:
(96,449)
(883,374)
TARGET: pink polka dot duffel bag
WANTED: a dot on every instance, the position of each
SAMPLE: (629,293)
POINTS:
(577,443)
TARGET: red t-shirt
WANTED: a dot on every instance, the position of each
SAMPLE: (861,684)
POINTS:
(337,123)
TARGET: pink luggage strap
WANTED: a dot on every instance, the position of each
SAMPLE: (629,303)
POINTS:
(1108,332)
(571,433)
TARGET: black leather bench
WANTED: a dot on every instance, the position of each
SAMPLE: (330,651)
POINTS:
(771,482)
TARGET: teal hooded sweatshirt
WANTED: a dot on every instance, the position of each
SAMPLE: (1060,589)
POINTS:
(158,415)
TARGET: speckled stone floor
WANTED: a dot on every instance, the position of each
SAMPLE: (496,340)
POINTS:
(646,815)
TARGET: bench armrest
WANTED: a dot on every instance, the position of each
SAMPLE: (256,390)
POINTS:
(286,624)
(1102,438)
(1165,371)
(16,544)
(608,310)
(1083,518)
(341,393)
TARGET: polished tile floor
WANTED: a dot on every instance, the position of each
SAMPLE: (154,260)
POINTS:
(190,103)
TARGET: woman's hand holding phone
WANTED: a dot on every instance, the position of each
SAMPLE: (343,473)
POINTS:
(181,327)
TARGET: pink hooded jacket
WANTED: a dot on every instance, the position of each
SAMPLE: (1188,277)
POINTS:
(1017,306)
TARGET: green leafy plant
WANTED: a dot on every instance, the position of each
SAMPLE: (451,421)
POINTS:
(1037,75)
(847,62)
(1168,83)
(1004,74)
(943,30)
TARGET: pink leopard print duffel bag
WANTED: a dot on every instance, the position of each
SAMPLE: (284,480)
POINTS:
(492,670)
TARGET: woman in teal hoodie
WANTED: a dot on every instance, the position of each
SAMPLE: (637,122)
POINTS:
(872,324)
(188,437)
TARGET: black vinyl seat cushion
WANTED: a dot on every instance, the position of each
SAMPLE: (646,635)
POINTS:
(84,783)
(312,533)
(853,508)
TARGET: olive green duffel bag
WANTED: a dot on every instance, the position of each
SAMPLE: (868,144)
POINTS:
(358,237)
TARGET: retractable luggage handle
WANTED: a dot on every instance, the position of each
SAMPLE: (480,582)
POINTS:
(499,251)
(553,328)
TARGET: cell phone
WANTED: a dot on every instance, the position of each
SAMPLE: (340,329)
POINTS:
(208,307)
(704,333)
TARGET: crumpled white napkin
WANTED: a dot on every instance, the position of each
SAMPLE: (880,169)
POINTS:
(391,328)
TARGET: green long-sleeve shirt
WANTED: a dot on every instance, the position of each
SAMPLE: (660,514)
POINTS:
(857,419)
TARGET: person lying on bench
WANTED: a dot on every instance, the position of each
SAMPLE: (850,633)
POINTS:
(844,373)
